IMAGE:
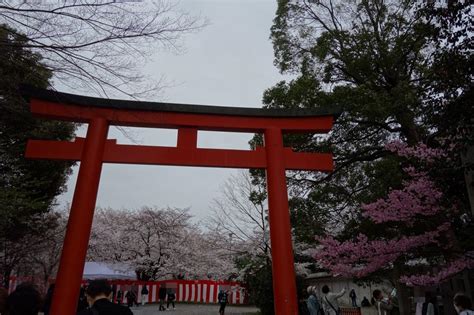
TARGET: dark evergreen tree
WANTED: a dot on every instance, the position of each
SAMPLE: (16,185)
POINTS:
(27,187)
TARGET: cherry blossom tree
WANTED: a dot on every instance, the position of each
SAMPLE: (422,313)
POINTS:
(416,242)
(157,244)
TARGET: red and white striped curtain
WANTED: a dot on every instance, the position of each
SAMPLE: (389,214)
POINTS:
(193,291)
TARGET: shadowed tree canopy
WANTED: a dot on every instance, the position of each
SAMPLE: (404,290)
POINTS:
(27,187)
(386,64)
(401,70)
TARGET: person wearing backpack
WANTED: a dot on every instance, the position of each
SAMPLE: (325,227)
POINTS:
(330,301)
(98,295)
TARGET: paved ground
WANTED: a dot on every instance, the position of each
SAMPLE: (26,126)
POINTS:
(195,309)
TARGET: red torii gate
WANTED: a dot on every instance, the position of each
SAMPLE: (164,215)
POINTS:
(96,149)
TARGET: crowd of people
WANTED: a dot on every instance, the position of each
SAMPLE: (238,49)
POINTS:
(327,303)
(98,298)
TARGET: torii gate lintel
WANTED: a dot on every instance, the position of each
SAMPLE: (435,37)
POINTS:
(96,149)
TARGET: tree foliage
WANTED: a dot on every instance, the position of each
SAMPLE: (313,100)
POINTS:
(400,70)
(382,63)
(27,187)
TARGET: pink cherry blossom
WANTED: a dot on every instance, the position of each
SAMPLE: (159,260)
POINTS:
(417,200)
(421,151)
(441,275)
(362,256)
(418,197)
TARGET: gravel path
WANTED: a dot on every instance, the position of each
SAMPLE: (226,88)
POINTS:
(195,309)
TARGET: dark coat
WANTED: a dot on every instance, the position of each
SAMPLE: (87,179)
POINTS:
(162,293)
(105,307)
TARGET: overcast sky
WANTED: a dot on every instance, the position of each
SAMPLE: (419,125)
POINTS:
(229,62)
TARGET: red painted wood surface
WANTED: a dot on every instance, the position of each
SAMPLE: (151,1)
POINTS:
(186,156)
(59,111)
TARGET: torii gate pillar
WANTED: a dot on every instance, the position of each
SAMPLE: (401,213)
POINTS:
(96,149)
(76,240)
(284,289)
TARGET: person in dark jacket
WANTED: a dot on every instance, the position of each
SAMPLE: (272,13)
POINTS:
(353,297)
(171,298)
(98,296)
(131,297)
(119,297)
(222,297)
(25,300)
(82,303)
(162,297)
(48,299)
(144,293)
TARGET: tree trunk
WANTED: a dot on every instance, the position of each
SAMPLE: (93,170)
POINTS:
(403,298)
(408,127)
(7,272)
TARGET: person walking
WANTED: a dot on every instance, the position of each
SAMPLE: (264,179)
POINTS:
(462,304)
(382,305)
(313,303)
(222,297)
(119,297)
(130,296)
(98,295)
(330,301)
(353,297)
(162,297)
(144,293)
(170,299)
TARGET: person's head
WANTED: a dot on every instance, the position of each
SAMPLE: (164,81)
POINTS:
(462,302)
(25,300)
(377,295)
(429,297)
(310,290)
(325,289)
(98,289)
